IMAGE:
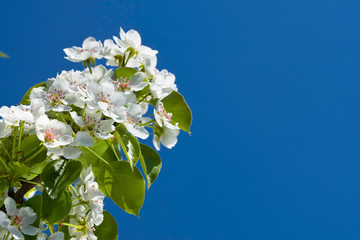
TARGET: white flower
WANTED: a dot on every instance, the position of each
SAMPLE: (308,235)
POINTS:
(19,221)
(133,120)
(57,98)
(135,83)
(114,52)
(167,135)
(163,84)
(99,73)
(68,152)
(160,114)
(84,234)
(90,193)
(5,130)
(53,132)
(132,39)
(105,97)
(15,114)
(90,125)
(129,45)
(90,48)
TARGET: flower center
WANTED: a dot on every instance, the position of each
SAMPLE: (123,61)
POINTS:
(17,221)
(91,124)
(123,84)
(106,99)
(55,97)
(50,135)
(130,119)
(164,114)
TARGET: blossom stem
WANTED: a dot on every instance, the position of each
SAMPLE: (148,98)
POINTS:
(33,151)
(50,229)
(144,124)
(14,143)
(88,64)
(75,199)
(7,153)
(71,225)
(20,135)
(7,236)
(83,115)
(35,154)
(4,164)
(74,189)
(143,98)
(61,117)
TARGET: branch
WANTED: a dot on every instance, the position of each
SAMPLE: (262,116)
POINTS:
(19,195)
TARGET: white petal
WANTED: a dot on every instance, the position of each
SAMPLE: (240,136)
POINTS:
(4,220)
(77,119)
(71,153)
(134,36)
(57,236)
(10,206)
(30,230)
(156,142)
(15,232)
(84,138)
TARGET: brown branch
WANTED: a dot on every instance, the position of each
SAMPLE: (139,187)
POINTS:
(19,195)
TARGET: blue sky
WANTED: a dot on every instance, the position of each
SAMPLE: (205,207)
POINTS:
(274,87)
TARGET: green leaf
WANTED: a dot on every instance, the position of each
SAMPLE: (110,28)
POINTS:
(54,211)
(116,179)
(58,175)
(102,149)
(125,186)
(32,152)
(29,144)
(124,72)
(19,169)
(3,55)
(129,145)
(26,98)
(181,113)
(108,229)
(150,163)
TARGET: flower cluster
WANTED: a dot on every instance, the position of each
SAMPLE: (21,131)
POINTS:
(101,110)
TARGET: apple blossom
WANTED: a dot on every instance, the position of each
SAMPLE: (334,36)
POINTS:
(90,48)
(18,221)
(80,121)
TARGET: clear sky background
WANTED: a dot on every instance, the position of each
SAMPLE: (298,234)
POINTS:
(274,87)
